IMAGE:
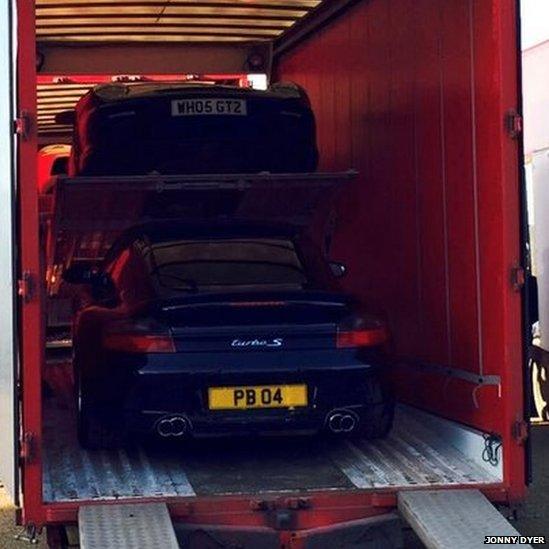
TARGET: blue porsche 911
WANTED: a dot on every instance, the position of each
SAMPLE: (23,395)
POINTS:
(193,330)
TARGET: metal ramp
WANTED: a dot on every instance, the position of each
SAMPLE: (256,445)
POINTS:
(139,526)
(452,519)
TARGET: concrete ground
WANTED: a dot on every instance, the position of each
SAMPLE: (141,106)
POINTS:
(533,517)
(8,529)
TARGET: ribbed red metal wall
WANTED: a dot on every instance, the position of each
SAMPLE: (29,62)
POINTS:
(413,94)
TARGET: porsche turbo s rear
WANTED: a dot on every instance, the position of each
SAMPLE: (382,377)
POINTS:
(243,332)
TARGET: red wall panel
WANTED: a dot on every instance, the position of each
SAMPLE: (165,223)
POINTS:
(413,94)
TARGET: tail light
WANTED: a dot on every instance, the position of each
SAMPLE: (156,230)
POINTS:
(138,337)
(361,331)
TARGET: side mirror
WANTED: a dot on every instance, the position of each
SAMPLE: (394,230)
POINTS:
(101,284)
(338,269)
(66,118)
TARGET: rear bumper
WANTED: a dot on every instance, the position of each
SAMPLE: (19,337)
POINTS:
(138,396)
(252,422)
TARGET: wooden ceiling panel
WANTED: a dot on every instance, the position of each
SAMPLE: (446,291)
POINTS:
(118,21)
(164,29)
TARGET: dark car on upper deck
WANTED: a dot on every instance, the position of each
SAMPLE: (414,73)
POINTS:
(192,128)
(226,329)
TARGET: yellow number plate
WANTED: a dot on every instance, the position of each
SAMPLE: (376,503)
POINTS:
(263,396)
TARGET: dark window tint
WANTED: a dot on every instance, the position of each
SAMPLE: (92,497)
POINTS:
(192,265)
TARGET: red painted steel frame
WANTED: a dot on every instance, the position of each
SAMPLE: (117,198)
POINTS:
(378,84)
(32,340)
(317,509)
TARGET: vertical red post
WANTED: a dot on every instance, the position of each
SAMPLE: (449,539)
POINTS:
(515,472)
(31,341)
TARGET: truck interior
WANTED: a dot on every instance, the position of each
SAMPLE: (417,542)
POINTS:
(426,220)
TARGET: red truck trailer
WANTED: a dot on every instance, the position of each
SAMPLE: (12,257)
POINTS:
(422,99)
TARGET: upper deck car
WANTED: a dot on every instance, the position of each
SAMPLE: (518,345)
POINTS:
(138,129)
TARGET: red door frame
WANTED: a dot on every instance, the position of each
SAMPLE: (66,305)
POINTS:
(31,316)
(31,313)
(506,152)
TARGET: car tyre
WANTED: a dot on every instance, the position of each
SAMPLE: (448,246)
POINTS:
(92,432)
(378,423)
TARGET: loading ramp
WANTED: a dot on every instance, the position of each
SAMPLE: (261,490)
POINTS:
(133,526)
(452,519)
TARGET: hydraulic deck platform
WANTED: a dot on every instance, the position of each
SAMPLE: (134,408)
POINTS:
(86,214)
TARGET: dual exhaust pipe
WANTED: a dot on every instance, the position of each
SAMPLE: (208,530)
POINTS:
(173,427)
(342,422)
(337,422)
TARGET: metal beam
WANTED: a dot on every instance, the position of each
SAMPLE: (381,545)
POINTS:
(176,58)
(305,27)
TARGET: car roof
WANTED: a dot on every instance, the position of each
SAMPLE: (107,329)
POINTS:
(112,93)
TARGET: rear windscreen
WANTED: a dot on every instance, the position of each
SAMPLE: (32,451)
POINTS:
(191,265)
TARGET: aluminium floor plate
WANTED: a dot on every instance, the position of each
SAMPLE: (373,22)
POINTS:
(413,455)
(71,473)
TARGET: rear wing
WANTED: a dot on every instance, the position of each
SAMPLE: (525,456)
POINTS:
(86,214)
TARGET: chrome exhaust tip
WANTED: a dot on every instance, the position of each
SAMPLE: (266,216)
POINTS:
(342,421)
(172,426)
